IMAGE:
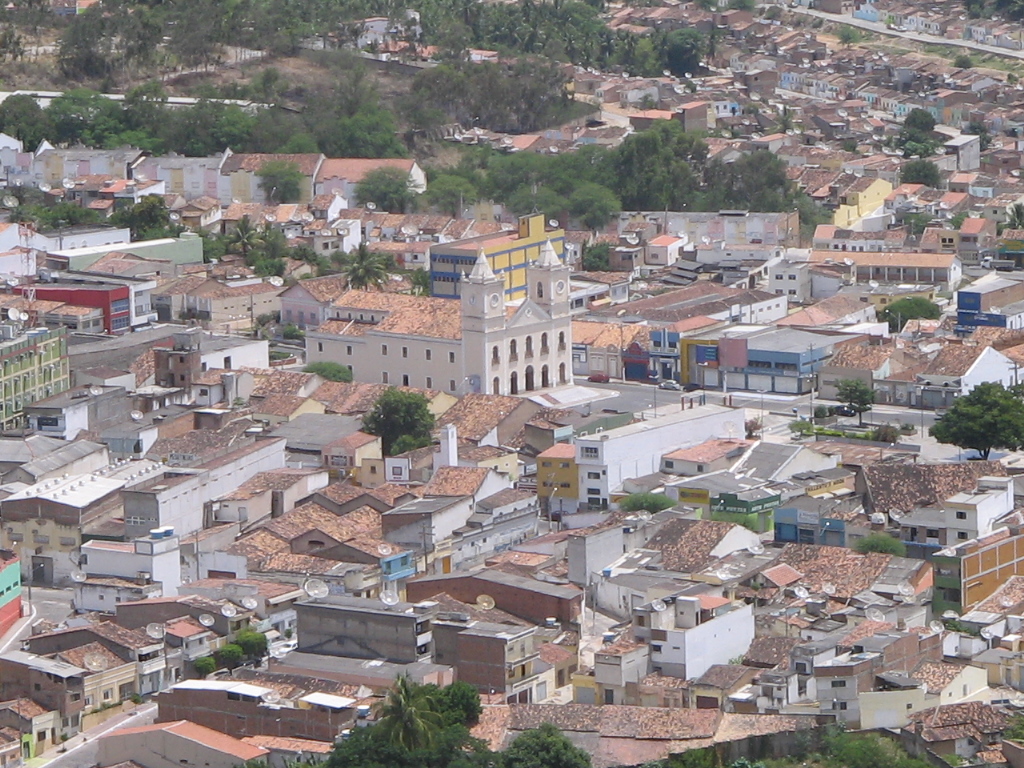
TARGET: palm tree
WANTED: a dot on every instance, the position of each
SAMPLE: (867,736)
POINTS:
(364,269)
(245,238)
(1016,217)
(409,716)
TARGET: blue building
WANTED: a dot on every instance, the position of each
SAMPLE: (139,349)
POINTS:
(810,520)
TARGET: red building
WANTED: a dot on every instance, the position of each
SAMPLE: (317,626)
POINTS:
(114,300)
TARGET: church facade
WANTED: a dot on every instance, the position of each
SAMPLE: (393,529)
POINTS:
(476,343)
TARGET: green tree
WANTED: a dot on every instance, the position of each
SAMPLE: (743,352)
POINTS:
(857,394)
(408,716)
(230,655)
(915,136)
(880,542)
(911,308)
(921,172)
(330,371)
(23,118)
(390,189)
(986,418)
(252,643)
(147,219)
(544,747)
(245,238)
(281,181)
(593,205)
(963,61)
(205,665)
(649,502)
(1015,216)
(919,120)
(459,704)
(595,257)
(849,35)
(451,194)
(364,268)
(397,414)
(684,50)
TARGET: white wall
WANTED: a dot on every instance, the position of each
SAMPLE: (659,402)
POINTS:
(991,366)
(714,642)
(254,354)
(636,449)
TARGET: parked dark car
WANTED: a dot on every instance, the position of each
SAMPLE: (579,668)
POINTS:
(845,410)
(599,378)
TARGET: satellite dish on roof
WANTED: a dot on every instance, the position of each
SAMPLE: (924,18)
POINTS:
(207,620)
(659,605)
(228,610)
(307,217)
(553,223)
(905,588)
(631,237)
(155,630)
(315,588)
(271,697)
(276,281)
(236,201)
(23,316)
(848,261)
(137,415)
(950,615)
(756,548)
(988,633)
(10,201)
(644,516)
(67,183)
(896,514)
(873,614)
(389,596)
(174,216)
(371,206)
(802,592)
(873,283)
(384,549)
(485,602)
(269,218)
(828,588)
(78,576)
(249,603)
(44,187)
(95,390)
(13,315)
(94,662)
(1006,601)
(507,141)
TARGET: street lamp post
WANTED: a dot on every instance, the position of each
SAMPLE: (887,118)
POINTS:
(761,415)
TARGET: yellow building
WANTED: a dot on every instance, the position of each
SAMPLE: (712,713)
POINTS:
(33,366)
(862,198)
(557,475)
(885,295)
(508,254)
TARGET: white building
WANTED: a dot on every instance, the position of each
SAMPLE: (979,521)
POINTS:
(122,571)
(606,459)
(178,498)
(694,633)
(475,344)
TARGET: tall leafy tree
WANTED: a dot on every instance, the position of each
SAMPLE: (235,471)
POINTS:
(857,394)
(544,747)
(409,716)
(988,417)
(364,268)
(388,188)
(281,181)
(397,415)
(245,239)
(912,308)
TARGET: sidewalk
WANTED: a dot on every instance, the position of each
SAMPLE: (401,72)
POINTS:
(88,739)
(14,633)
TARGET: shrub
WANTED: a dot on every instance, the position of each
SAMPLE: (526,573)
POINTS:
(205,665)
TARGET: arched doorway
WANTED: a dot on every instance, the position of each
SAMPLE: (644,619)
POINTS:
(529,379)
(545,378)
(513,383)
(496,390)
(561,373)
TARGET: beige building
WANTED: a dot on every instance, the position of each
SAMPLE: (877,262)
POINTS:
(174,744)
(477,343)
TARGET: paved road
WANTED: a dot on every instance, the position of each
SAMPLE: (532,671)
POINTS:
(916,37)
(52,605)
(82,751)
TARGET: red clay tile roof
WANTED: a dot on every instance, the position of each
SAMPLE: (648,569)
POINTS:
(686,545)
(200,734)
(906,485)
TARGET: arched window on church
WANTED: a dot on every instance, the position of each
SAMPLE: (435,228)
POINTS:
(543,343)
(540,289)
(513,351)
